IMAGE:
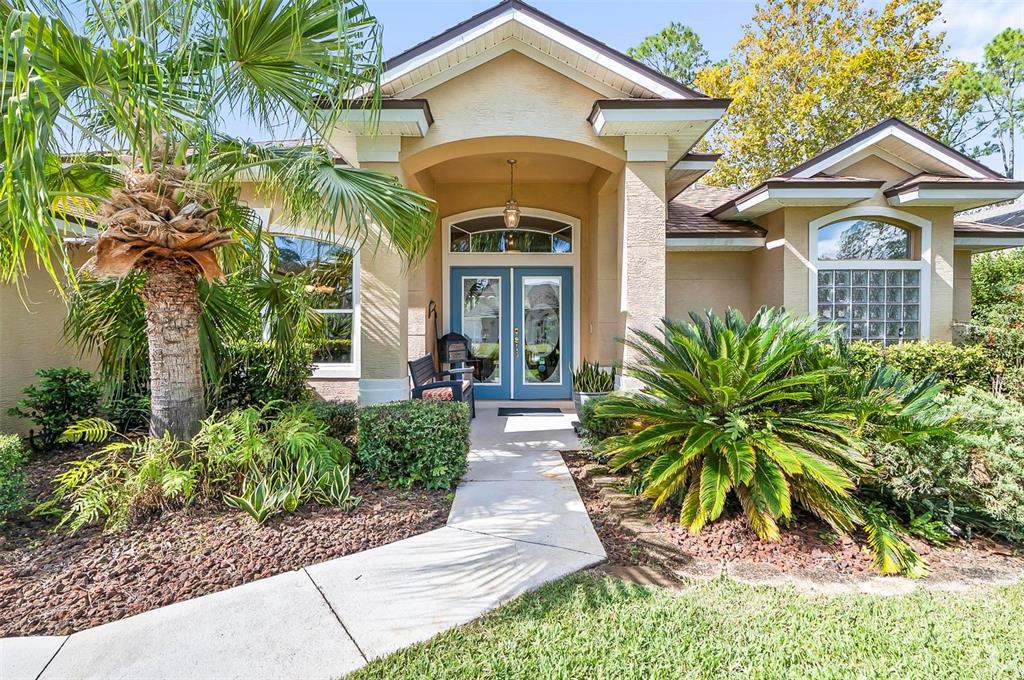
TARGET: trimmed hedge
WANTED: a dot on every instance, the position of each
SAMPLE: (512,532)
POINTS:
(415,442)
(12,478)
(341,419)
(959,366)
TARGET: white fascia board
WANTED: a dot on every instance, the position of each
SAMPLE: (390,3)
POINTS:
(615,66)
(986,242)
(892,131)
(927,196)
(774,198)
(360,121)
(694,165)
(714,243)
(647,116)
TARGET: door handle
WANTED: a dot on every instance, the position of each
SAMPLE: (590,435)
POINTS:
(515,340)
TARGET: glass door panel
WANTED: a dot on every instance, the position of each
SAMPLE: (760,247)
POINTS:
(542,332)
(542,329)
(481,303)
(481,323)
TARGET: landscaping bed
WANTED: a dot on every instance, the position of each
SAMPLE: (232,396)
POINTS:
(808,549)
(55,584)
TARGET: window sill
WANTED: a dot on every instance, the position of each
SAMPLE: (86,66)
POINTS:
(335,371)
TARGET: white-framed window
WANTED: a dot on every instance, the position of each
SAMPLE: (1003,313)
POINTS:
(870,273)
(332,271)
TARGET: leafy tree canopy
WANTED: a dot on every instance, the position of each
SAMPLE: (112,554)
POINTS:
(676,51)
(997,83)
(807,74)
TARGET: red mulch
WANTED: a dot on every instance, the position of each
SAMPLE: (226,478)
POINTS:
(54,584)
(806,545)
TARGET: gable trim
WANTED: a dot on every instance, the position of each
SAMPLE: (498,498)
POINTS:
(889,158)
(893,127)
(551,28)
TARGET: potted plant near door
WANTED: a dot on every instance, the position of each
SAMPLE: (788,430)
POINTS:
(590,381)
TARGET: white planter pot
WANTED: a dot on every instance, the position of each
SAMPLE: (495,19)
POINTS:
(579,398)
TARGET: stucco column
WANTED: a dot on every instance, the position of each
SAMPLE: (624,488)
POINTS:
(383,314)
(642,252)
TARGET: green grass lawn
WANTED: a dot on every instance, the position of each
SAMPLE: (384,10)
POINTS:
(588,627)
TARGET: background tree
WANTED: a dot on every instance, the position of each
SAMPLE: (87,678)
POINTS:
(807,74)
(997,82)
(139,88)
(676,51)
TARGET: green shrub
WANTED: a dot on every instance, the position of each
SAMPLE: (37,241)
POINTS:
(255,377)
(61,397)
(973,479)
(764,411)
(261,461)
(340,419)
(597,428)
(959,366)
(416,441)
(129,412)
(12,477)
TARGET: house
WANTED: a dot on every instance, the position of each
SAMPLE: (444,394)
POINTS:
(600,224)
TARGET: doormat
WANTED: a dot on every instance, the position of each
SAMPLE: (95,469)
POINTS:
(514,411)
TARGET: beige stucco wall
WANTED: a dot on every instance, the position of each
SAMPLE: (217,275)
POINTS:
(510,96)
(961,285)
(698,281)
(31,322)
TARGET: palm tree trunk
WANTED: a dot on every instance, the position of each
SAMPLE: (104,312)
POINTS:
(172,326)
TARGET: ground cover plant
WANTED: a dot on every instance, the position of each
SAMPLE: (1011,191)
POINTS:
(585,626)
(765,412)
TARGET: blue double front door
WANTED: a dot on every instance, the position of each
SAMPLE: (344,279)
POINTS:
(520,326)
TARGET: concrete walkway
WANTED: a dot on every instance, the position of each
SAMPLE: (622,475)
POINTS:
(516,524)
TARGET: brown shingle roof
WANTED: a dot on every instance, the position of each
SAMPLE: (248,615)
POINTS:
(688,218)
(969,228)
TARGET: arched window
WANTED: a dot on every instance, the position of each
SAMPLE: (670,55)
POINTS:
(867,239)
(868,279)
(489,235)
(330,271)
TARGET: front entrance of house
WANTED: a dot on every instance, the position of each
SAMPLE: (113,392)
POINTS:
(520,324)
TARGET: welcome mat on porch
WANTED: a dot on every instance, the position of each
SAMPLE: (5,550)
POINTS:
(504,411)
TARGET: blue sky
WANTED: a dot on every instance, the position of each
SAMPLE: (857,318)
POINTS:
(969,24)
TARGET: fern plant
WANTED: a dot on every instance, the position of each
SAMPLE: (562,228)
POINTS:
(261,461)
(753,409)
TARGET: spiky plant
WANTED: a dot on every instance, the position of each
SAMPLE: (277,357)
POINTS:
(118,112)
(736,407)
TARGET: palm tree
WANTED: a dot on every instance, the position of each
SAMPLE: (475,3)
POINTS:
(118,115)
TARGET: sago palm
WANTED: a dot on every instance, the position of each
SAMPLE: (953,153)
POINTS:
(728,407)
(117,112)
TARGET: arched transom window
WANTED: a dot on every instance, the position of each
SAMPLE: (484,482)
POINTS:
(489,235)
(869,279)
(329,274)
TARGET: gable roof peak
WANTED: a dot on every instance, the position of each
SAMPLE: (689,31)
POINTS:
(654,83)
(912,137)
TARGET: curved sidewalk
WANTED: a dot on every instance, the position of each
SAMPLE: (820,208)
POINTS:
(517,523)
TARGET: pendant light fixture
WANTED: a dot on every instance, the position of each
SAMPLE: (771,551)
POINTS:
(511,211)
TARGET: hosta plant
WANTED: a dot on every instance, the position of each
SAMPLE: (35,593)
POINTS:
(752,409)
